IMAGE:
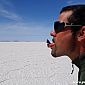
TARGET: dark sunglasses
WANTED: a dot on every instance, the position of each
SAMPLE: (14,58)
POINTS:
(60,26)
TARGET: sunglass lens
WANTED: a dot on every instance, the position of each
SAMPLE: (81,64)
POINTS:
(58,26)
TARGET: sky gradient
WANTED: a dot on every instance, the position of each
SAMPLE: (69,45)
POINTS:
(29,20)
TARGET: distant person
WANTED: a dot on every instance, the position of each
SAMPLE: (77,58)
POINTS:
(69,37)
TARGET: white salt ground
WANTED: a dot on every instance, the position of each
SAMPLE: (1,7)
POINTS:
(30,63)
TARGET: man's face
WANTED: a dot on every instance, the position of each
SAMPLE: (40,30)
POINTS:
(62,41)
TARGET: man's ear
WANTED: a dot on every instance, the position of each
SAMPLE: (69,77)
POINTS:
(81,34)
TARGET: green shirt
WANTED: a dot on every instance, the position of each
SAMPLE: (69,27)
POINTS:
(80,63)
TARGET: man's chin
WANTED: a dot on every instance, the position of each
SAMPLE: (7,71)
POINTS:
(54,55)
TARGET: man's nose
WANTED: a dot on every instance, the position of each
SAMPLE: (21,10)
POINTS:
(52,33)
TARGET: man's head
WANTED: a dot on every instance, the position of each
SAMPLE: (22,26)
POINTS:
(69,32)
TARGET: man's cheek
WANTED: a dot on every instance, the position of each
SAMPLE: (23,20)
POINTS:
(59,39)
(58,46)
(62,43)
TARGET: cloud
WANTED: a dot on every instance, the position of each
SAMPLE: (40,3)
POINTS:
(73,2)
(6,11)
(9,15)
(25,28)
(23,32)
(20,29)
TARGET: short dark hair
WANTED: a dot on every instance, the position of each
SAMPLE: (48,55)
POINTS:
(78,15)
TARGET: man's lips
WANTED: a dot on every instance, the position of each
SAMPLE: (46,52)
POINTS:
(49,44)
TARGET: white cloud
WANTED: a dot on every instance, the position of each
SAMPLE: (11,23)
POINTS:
(20,30)
(9,15)
(25,28)
(6,11)
(73,2)
(23,31)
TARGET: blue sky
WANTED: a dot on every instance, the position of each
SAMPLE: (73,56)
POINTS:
(29,20)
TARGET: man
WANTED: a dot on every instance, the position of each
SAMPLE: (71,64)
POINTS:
(69,37)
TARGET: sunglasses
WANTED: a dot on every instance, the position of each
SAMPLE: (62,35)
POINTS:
(60,26)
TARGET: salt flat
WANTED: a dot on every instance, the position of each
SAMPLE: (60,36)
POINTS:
(30,63)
